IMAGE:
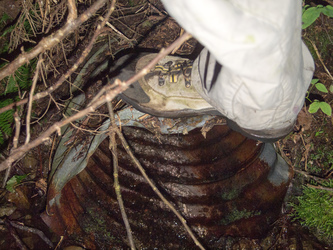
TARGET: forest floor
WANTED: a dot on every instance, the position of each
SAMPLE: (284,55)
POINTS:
(308,149)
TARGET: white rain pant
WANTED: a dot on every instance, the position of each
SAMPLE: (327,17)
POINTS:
(266,68)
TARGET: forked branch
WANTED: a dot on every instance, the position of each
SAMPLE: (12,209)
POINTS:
(49,42)
(118,87)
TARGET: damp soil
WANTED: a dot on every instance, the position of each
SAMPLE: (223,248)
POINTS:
(309,149)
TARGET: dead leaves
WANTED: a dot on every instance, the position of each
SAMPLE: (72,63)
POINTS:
(211,123)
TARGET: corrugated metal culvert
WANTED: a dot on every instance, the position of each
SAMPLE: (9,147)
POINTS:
(224,185)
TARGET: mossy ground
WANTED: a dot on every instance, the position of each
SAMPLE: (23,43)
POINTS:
(310,149)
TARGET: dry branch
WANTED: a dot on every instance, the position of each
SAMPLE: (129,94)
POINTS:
(61,80)
(32,230)
(307,175)
(17,239)
(32,90)
(320,58)
(22,227)
(53,39)
(113,149)
(72,11)
(321,187)
(118,88)
(15,143)
(155,189)
(63,77)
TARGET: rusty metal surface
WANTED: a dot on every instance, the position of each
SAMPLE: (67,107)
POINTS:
(219,184)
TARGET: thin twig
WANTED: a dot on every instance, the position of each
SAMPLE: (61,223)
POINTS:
(64,53)
(107,16)
(159,56)
(115,30)
(17,129)
(320,187)
(95,131)
(17,239)
(13,233)
(53,39)
(63,77)
(45,112)
(51,152)
(156,9)
(118,88)
(153,186)
(53,14)
(282,153)
(32,230)
(307,175)
(31,94)
(180,34)
(15,143)
(72,10)
(59,243)
(61,80)
(305,154)
(113,148)
(319,57)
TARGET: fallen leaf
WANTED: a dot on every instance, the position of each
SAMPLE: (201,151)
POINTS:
(20,198)
(304,119)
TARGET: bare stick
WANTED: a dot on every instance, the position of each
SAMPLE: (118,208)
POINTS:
(15,143)
(153,186)
(307,148)
(13,233)
(307,175)
(32,230)
(107,16)
(53,39)
(31,94)
(63,77)
(72,10)
(118,88)
(40,95)
(319,57)
(113,148)
(59,243)
(17,239)
(320,187)
(17,129)
(115,30)
(6,177)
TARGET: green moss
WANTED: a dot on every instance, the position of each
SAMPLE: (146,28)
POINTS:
(232,194)
(237,215)
(321,158)
(315,210)
(94,223)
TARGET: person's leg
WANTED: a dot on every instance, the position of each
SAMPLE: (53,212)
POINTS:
(266,67)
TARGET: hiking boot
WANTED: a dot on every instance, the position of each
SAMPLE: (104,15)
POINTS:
(166,91)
